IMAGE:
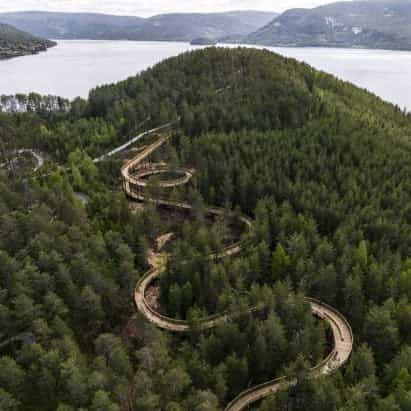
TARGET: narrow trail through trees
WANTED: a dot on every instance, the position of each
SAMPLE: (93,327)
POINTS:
(133,173)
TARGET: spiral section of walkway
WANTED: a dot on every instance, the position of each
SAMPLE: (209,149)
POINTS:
(39,160)
(133,173)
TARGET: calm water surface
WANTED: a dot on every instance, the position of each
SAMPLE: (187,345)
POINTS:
(385,73)
(75,66)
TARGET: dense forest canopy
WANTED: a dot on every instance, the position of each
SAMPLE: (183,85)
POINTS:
(323,168)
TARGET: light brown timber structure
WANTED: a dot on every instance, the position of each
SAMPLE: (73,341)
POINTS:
(133,173)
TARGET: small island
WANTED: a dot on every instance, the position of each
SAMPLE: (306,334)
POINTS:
(203,41)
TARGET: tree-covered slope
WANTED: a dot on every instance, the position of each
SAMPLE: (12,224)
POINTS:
(73,25)
(186,27)
(221,89)
(321,166)
(14,42)
(169,27)
(368,24)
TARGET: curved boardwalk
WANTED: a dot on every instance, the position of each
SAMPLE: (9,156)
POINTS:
(37,157)
(133,173)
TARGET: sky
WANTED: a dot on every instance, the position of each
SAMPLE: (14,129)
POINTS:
(151,7)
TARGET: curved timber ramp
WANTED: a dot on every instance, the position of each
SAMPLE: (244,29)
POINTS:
(134,173)
(17,153)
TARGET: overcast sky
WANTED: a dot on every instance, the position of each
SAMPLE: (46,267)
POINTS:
(150,7)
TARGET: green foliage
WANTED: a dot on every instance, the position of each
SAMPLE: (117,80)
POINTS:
(321,166)
(64,279)
(15,42)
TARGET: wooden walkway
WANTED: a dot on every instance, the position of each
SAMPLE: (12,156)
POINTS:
(342,333)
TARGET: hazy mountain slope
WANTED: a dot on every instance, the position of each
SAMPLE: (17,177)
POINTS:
(252,17)
(73,25)
(183,27)
(376,24)
(14,42)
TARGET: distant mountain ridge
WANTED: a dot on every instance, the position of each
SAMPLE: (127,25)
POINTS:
(383,24)
(172,27)
(14,42)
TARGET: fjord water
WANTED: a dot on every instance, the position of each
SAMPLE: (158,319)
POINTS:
(384,72)
(73,67)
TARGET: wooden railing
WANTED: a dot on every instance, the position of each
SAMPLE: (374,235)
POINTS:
(328,313)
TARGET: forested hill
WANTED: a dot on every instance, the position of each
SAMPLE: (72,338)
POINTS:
(220,89)
(14,42)
(383,24)
(168,27)
(322,167)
